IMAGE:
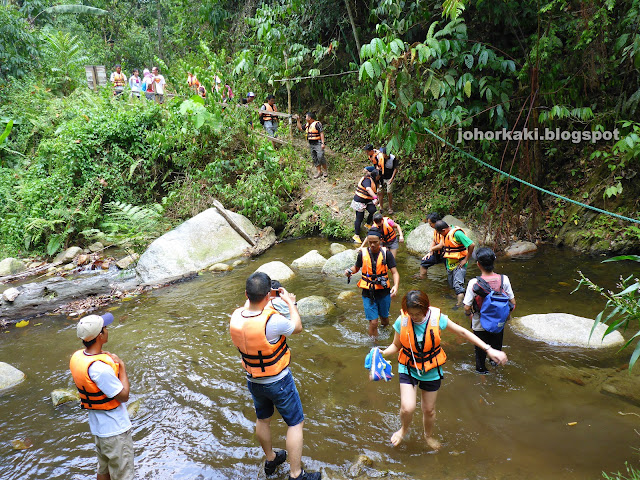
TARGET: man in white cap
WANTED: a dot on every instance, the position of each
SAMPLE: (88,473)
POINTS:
(103,384)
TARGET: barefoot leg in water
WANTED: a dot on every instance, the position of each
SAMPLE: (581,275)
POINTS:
(428,404)
(407,407)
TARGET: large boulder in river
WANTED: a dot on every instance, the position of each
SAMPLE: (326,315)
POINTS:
(419,240)
(68,255)
(9,376)
(314,306)
(11,266)
(277,271)
(338,263)
(309,261)
(197,243)
(520,248)
(337,248)
(565,329)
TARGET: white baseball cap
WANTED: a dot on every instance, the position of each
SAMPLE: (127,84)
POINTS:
(251,94)
(89,327)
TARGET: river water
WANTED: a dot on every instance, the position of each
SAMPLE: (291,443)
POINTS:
(196,420)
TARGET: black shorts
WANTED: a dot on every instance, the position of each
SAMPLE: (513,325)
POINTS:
(427,386)
(434,259)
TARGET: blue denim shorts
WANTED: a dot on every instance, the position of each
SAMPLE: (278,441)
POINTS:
(282,395)
(376,308)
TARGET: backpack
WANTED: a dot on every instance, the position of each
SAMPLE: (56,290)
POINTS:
(495,306)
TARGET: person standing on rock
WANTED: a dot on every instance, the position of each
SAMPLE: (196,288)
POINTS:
(473,299)
(457,251)
(101,379)
(376,262)
(434,255)
(420,359)
(260,334)
(365,199)
(315,137)
(387,228)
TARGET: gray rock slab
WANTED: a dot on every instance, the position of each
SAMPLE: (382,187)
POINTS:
(337,248)
(197,243)
(11,266)
(126,262)
(42,297)
(9,376)
(520,248)
(220,267)
(565,329)
(96,247)
(338,263)
(277,271)
(419,240)
(315,306)
(68,255)
(309,261)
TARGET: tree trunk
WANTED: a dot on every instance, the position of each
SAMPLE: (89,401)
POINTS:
(159,17)
(353,27)
(288,85)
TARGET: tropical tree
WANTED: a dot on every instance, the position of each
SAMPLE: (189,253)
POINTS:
(18,50)
(64,59)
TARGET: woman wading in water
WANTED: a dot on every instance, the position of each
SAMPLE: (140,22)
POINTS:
(420,358)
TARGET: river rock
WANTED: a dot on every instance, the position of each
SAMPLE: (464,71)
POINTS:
(453,221)
(520,248)
(338,263)
(347,295)
(220,267)
(314,306)
(68,255)
(624,386)
(197,243)
(9,376)
(237,263)
(360,466)
(565,329)
(125,262)
(96,247)
(134,407)
(69,266)
(11,266)
(64,395)
(309,261)
(10,294)
(336,248)
(419,240)
(277,271)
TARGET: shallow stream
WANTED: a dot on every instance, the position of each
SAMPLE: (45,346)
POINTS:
(196,420)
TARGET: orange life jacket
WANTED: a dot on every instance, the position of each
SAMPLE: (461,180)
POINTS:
(259,357)
(362,192)
(377,158)
(437,237)
(431,355)
(452,249)
(313,134)
(269,108)
(371,280)
(388,232)
(193,82)
(118,79)
(91,397)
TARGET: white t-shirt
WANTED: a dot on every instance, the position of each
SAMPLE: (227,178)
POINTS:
(469,295)
(158,81)
(277,326)
(107,423)
(135,83)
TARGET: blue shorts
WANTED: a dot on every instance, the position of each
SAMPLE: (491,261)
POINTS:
(376,308)
(281,394)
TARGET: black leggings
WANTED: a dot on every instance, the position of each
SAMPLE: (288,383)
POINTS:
(493,339)
(371,208)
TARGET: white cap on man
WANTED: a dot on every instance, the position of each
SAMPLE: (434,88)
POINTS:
(89,327)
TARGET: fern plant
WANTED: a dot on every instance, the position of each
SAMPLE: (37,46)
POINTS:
(65,58)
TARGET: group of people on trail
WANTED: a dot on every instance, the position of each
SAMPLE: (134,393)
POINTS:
(223,93)
(151,84)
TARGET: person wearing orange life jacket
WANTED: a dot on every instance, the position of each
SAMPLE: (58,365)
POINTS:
(192,81)
(434,255)
(376,157)
(420,358)
(202,91)
(315,137)
(119,80)
(472,303)
(457,251)
(376,262)
(270,122)
(365,199)
(260,334)
(388,236)
(101,379)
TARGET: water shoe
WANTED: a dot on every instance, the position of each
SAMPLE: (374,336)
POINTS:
(271,465)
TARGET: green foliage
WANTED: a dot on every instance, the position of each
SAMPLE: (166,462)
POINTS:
(18,45)
(622,308)
(65,60)
(632,473)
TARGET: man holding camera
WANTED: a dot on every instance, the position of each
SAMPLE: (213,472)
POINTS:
(376,262)
(260,333)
